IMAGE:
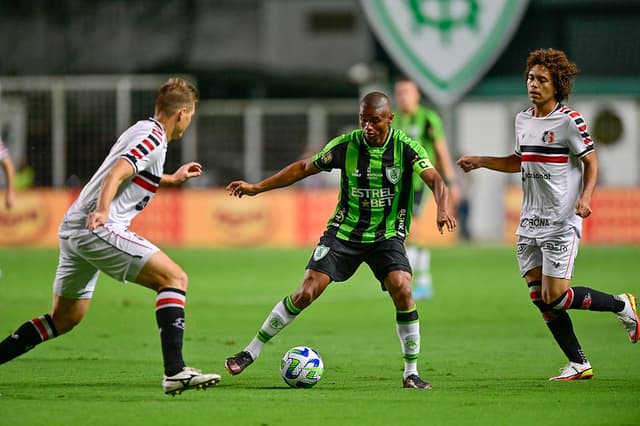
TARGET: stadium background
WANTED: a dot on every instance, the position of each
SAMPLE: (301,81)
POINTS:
(274,86)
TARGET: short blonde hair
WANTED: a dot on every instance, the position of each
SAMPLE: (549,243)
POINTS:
(174,94)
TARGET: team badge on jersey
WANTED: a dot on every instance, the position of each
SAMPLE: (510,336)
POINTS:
(393,174)
(548,136)
(320,252)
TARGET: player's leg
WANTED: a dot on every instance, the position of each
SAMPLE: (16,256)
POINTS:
(398,283)
(161,274)
(420,259)
(389,264)
(73,287)
(558,322)
(282,314)
(560,325)
(133,258)
(419,256)
(331,260)
(559,256)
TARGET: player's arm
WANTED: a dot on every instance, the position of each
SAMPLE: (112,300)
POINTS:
(121,170)
(9,173)
(443,161)
(184,173)
(509,164)
(446,170)
(435,182)
(285,177)
(589,181)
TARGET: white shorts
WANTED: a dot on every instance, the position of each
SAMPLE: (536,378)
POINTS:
(556,254)
(114,250)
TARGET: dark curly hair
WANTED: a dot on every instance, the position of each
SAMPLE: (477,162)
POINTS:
(561,69)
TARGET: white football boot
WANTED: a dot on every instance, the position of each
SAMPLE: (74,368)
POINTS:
(188,378)
(574,371)
(629,316)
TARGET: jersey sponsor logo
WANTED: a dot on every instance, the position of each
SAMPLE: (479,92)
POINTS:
(339,217)
(143,203)
(393,174)
(446,46)
(326,159)
(401,222)
(555,246)
(534,222)
(534,175)
(320,252)
(371,198)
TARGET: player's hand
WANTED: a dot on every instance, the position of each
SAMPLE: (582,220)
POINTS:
(187,171)
(582,208)
(96,219)
(446,219)
(468,163)
(238,188)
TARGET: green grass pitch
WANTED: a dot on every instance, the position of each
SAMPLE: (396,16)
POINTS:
(484,347)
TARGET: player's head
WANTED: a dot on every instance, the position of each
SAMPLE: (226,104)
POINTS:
(406,94)
(176,101)
(375,117)
(561,70)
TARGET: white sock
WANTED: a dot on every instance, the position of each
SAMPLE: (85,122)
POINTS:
(278,319)
(409,335)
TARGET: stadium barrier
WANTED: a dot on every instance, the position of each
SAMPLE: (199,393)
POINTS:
(615,217)
(284,218)
(203,218)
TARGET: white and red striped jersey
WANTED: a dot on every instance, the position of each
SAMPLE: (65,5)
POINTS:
(144,145)
(550,149)
(4,152)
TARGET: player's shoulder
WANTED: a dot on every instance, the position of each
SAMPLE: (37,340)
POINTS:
(429,113)
(569,112)
(352,136)
(399,136)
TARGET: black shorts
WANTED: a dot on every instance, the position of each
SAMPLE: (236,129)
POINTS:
(340,259)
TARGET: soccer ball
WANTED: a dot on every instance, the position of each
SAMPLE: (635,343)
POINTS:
(301,367)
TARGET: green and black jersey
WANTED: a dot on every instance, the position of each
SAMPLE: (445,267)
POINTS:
(425,126)
(376,185)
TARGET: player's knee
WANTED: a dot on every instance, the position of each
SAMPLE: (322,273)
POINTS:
(65,323)
(180,280)
(306,294)
(535,295)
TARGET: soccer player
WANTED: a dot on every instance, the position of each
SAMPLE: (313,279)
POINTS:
(559,168)
(9,174)
(370,223)
(424,126)
(94,236)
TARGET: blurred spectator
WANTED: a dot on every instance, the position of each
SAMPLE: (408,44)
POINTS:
(423,125)
(9,173)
